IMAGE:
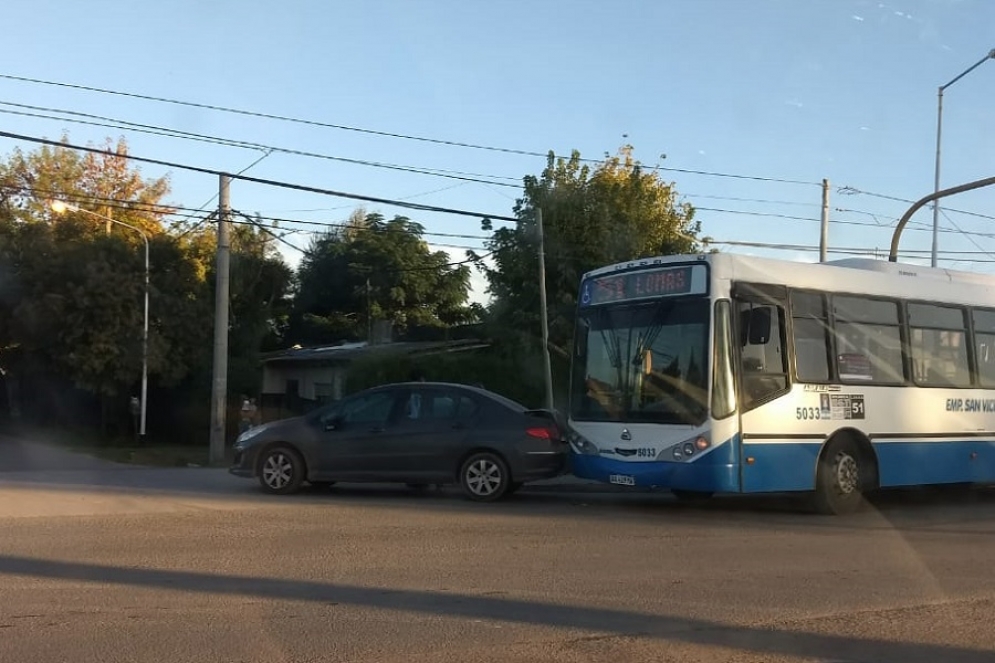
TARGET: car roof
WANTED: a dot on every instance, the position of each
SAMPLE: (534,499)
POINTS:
(498,398)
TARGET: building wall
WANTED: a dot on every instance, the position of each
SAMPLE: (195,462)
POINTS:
(314,383)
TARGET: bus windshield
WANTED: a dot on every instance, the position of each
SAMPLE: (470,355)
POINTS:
(642,363)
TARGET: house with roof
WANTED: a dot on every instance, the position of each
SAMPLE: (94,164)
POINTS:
(298,379)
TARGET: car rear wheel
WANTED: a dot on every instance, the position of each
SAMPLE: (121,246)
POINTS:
(281,470)
(484,477)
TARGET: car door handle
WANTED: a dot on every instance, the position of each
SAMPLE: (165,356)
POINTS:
(376,429)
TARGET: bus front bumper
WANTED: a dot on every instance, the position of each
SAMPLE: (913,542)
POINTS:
(699,475)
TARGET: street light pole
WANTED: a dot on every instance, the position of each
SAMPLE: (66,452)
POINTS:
(939,132)
(60,207)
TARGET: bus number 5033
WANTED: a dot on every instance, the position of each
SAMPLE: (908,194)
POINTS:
(808,413)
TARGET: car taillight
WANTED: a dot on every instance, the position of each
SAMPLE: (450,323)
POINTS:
(543,432)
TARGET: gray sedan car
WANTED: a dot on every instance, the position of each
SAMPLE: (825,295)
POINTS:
(417,433)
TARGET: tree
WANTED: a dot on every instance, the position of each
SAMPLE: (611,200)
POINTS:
(261,285)
(592,217)
(105,183)
(374,269)
(71,304)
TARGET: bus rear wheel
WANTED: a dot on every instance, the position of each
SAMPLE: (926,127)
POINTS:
(841,478)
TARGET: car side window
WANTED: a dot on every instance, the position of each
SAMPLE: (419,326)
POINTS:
(434,405)
(466,407)
(369,409)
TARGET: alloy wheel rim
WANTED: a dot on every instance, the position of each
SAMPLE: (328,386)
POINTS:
(483,477)
(277,471)
(847,474)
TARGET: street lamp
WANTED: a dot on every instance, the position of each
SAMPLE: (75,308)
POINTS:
(61,207)
(939,130)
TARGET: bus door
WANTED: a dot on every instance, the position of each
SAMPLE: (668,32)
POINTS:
(759,317)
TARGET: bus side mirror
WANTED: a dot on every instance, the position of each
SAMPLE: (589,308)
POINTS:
(754,326)
(759,326)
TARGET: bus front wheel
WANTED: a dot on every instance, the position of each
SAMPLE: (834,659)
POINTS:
(840,478)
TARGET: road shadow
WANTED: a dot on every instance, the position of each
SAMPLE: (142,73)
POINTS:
(453,604)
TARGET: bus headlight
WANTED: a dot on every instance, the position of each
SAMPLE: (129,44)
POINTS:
(686,449)
(582,445)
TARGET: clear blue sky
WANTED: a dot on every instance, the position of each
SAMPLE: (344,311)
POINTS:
(842,89)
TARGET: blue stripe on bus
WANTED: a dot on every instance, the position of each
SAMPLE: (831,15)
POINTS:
(717,471)
(791,466)
(780,467)
(930,462)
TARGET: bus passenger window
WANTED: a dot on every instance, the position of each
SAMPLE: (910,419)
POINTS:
(938,340)
(868,340)
(984,340)
(810,324)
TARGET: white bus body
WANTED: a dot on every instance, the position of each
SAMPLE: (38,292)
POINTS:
(726,373)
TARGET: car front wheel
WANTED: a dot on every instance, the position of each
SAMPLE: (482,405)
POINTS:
(281,470)
(484,477)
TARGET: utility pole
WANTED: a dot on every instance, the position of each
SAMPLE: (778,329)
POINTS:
(544,316)
(219,391)
(824,237)
(369,314)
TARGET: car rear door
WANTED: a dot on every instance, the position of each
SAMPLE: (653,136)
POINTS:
(432,425)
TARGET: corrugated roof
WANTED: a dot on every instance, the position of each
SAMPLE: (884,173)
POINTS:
(352,351)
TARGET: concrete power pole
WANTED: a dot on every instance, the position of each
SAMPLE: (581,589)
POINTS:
(219,390)
(824,236)
(544,315)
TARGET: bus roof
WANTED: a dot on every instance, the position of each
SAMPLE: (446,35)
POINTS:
(853,275)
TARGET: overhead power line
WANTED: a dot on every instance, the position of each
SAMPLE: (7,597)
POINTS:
(338,225)
(247,220)
(852,191)
(114,123)
(186,212)
(841,222)
(839,249)
(264,181)
(375,132)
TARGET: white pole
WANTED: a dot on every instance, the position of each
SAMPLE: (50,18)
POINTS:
(544,316)
(824,236)
(145,344)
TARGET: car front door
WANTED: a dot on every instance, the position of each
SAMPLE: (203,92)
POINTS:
(356,436)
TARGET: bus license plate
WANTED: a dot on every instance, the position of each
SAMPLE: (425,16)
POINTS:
(622,479)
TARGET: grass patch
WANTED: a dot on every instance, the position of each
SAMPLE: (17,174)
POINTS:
(120,450)
(151,455)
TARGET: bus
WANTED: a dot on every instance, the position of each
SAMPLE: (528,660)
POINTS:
(723,373)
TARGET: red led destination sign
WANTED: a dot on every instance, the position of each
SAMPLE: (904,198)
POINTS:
(640,284)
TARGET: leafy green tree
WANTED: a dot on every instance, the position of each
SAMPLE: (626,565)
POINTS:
(374,269)
(261,285)
(72,293)
(106,183)
(592,216)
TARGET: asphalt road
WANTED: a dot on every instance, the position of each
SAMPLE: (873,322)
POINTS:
(109,563)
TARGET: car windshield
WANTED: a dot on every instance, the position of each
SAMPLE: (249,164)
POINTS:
(643,363)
